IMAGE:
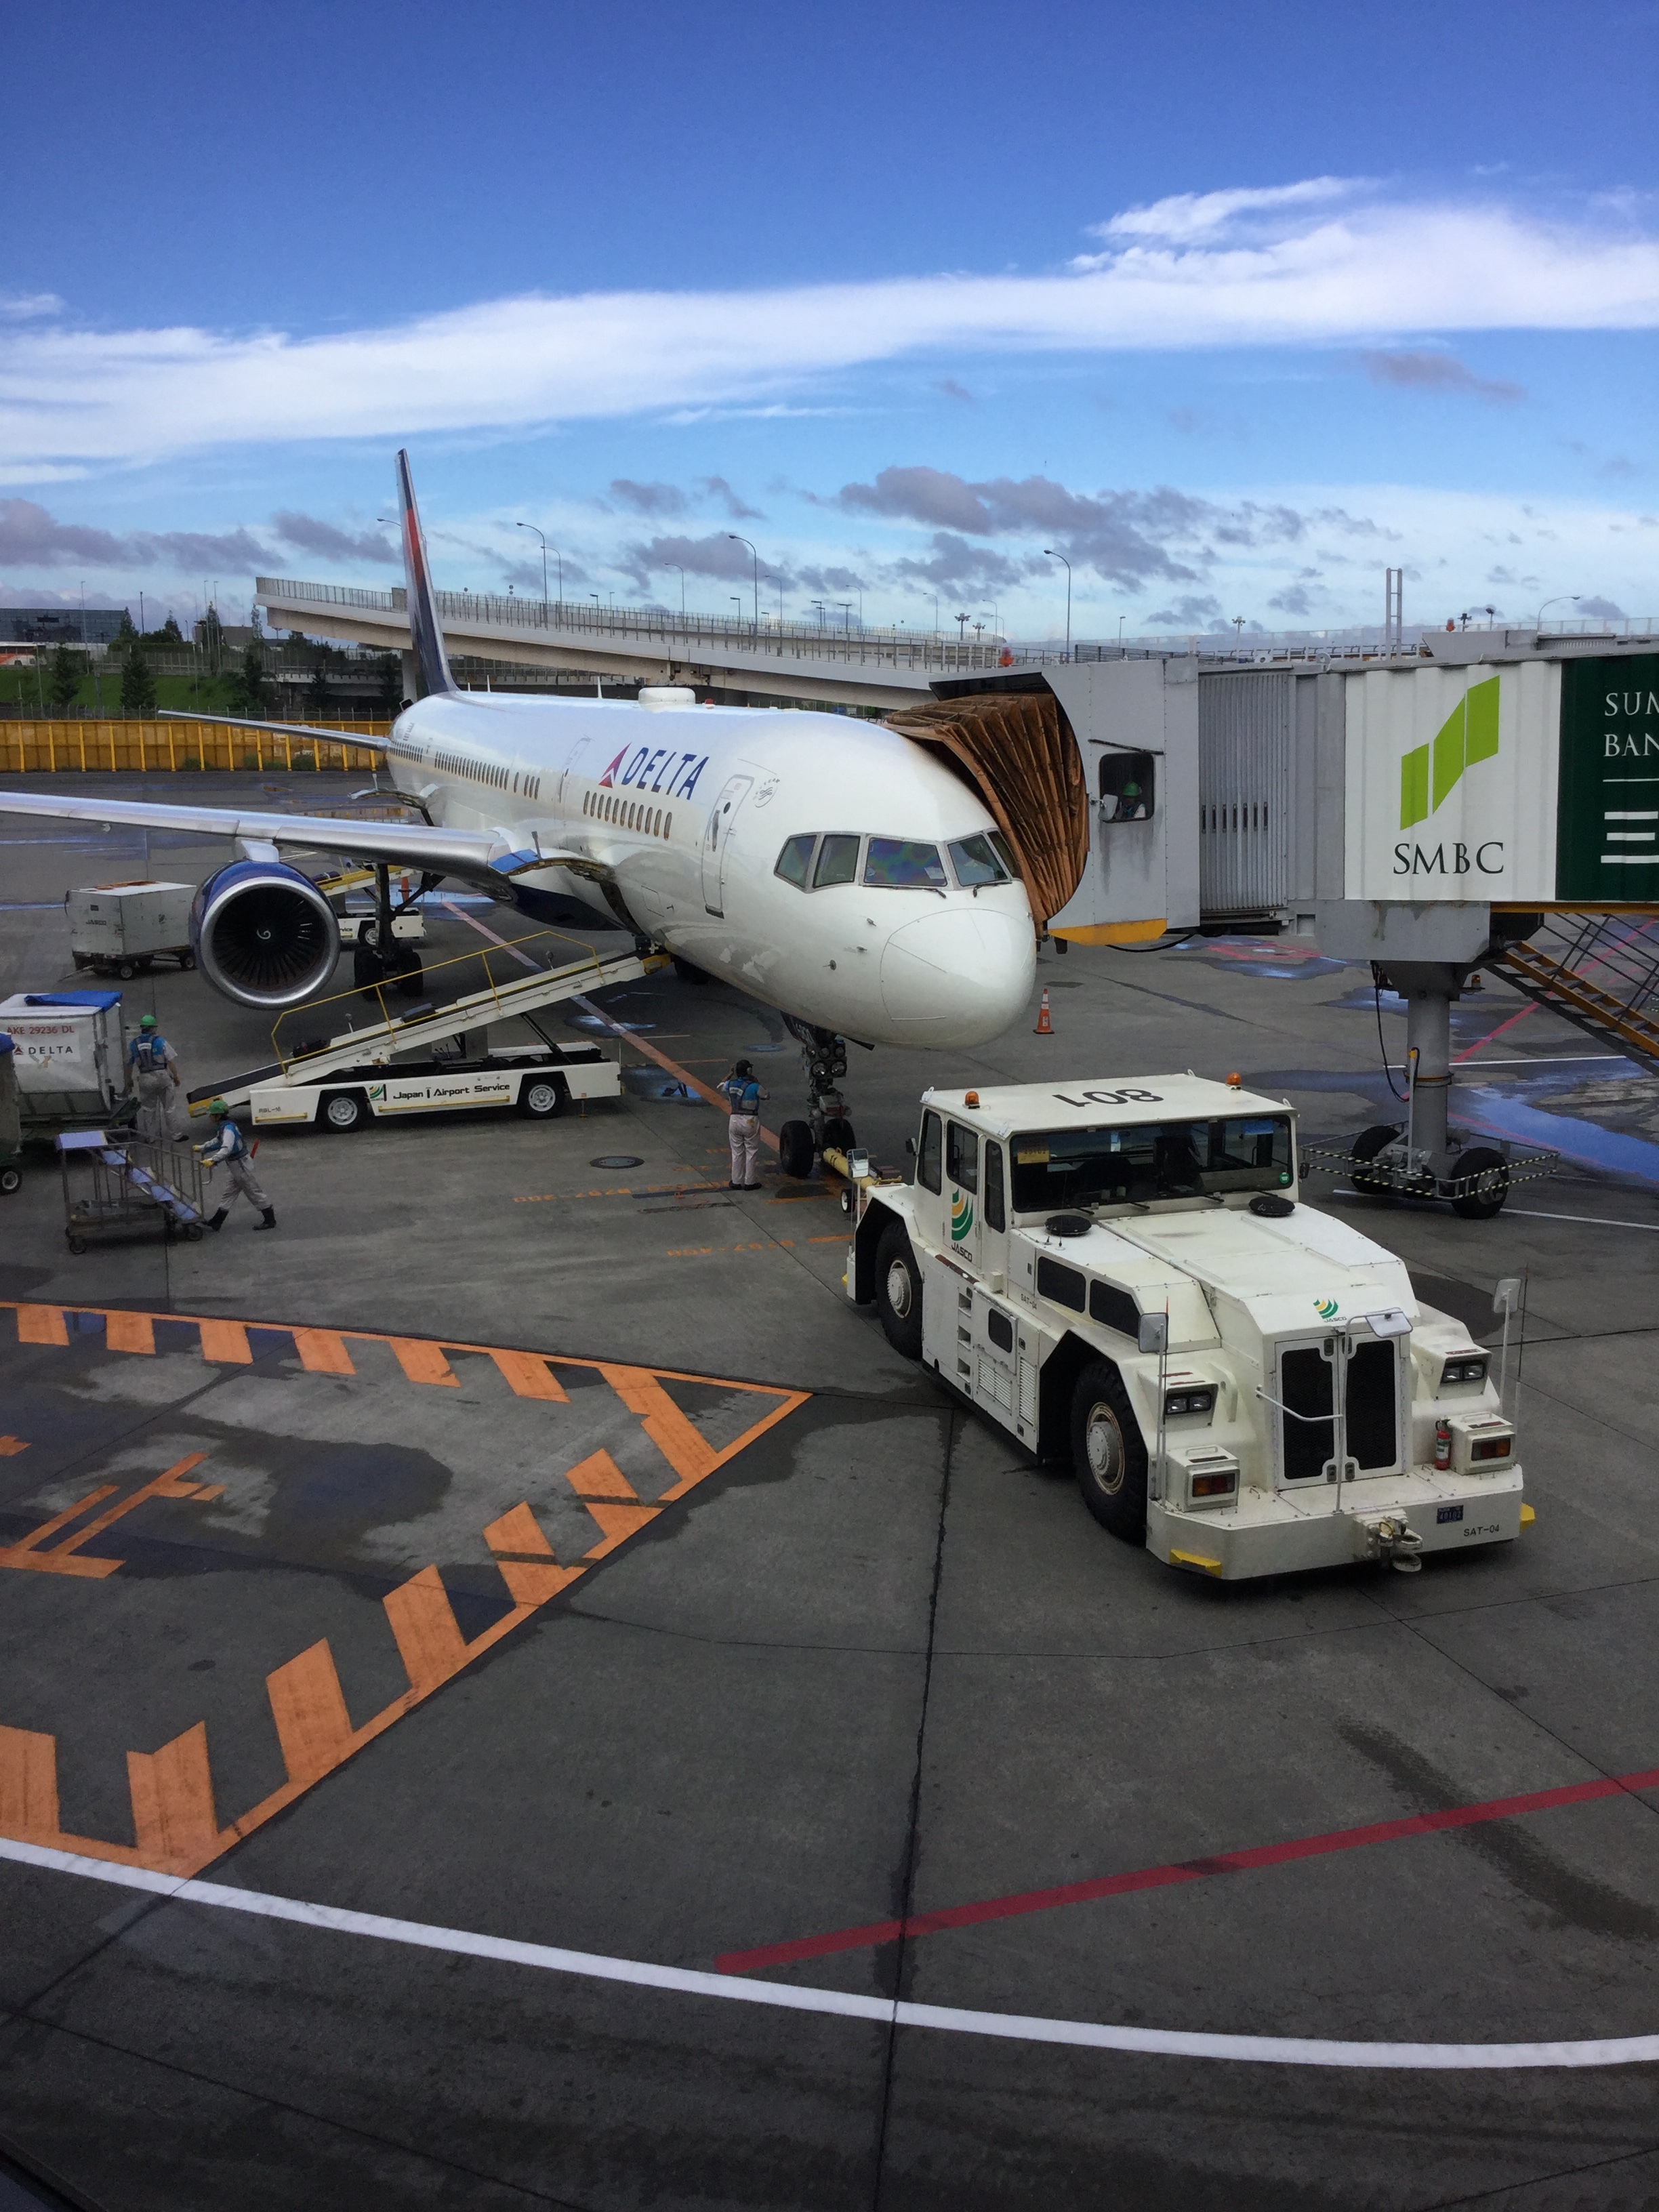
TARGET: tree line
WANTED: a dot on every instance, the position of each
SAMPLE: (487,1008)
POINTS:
(243,682)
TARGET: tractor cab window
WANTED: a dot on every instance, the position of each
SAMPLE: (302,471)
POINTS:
(995,1214)
(1127,788)
(1057,1169)
(961,1156)
(927,1158)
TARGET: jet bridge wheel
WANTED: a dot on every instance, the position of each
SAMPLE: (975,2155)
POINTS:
(898,1291)
(1490,1186)
(1108,1452)
(1366,1147)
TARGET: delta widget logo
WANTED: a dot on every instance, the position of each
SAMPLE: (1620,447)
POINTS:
(961,1217)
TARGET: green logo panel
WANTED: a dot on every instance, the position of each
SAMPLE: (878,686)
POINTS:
(1469,733)
(1606,845)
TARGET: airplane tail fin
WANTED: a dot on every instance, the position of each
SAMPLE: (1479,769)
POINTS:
(427,637)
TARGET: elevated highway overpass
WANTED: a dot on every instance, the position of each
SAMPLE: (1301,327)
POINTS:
(880,669)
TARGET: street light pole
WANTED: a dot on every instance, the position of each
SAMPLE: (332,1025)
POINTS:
(531,525)
(1538,625)
(1050,554)
(675,564)
(750,543)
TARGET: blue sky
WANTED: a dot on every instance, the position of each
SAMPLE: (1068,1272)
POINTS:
(1234,308)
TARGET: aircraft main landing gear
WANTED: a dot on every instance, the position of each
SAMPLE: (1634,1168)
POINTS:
(823,1062)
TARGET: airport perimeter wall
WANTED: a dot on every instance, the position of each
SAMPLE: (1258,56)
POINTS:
(74,747)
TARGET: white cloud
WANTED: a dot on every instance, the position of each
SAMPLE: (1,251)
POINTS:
(1370,273)
(1187,215)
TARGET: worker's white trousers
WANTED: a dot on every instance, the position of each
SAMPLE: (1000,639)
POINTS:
(239,1173)
(159,1120)
(745,1134)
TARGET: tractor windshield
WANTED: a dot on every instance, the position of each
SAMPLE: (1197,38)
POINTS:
(1055,1169)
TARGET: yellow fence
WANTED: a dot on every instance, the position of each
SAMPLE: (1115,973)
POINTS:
(69,747)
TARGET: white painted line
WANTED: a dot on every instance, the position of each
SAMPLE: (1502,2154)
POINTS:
(731,1988)
(1529,1213)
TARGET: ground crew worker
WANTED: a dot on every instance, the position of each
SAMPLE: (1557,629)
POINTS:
(152,1074)
(230,1152)
(744,1095)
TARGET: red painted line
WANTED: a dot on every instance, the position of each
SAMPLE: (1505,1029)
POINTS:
(1481,1044)
(1183,1870)
(523,959)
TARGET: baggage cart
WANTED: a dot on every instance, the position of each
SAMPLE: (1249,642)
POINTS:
(135,1189)
(120,929)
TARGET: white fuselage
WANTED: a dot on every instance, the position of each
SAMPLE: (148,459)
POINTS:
(686,812)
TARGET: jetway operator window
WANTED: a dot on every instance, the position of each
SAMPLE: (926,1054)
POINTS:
(1127,786)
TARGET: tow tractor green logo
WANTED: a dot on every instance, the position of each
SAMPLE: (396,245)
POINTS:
(1326,1309)
(1469,733)
(961,1217)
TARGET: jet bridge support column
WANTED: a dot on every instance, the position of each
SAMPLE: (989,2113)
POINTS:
(1428,988)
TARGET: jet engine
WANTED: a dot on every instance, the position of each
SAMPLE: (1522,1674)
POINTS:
(263,934)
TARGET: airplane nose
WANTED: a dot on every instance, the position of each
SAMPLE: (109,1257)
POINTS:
(958,977)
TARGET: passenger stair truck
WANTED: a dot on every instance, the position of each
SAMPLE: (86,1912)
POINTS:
(1124,1272)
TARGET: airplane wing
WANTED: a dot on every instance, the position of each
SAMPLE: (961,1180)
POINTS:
(475,856)
(280,729)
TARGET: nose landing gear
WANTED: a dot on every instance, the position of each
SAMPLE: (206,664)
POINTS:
(823,1062)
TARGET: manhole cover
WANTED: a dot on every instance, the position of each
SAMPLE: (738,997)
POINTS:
(617,1160)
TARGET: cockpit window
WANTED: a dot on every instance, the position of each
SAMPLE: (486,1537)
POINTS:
(1005,852)
(976,862)
(902,864)
(1059,1168)
(838,862)
(795,861)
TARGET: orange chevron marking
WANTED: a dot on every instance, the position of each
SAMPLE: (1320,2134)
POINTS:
(175,1820)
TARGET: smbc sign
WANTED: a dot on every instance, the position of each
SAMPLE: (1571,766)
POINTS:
(1535,781)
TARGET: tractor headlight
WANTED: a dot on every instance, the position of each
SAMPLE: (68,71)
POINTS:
(1463,1368)
(1199,1399)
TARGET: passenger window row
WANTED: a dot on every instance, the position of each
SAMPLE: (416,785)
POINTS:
(475,771)
(628,813)
(815,860)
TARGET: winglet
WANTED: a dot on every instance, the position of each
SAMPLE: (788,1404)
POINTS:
(431,665)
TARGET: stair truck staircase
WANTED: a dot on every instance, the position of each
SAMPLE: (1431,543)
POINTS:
(1599,971)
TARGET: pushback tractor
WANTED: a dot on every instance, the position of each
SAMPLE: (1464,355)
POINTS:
(1125,1274)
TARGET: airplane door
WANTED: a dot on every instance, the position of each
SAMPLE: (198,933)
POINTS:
(572,769)
(715,837)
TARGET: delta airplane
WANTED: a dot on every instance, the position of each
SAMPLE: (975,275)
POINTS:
(836,871)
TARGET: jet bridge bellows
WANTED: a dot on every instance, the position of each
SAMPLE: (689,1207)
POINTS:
(1018,749)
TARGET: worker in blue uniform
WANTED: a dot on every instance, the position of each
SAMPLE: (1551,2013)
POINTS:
(743,1096)
(229,1151)
(153,1078)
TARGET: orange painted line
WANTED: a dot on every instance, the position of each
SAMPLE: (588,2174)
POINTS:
(422,1361)
(130,1332)
(600,1476)
(172,1815)
(681,1074)
(226,1342)
(28,1783)
(37,1536)
(619,1523)
(55,1562)
(528,1376)
(322,1351)
(41,1325)
(686,1449)
(10,1446)
(309,1708)
(429,1639)
(168,1484)
(534,1575)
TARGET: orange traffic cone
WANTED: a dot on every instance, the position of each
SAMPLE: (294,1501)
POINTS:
(1044,1024)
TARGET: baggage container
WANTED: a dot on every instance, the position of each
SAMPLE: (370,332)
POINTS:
(118,929)
(68,1053)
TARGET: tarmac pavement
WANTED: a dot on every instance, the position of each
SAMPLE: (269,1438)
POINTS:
(668,1618)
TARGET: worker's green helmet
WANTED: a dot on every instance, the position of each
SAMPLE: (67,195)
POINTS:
(219,1110)
(147,1022)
